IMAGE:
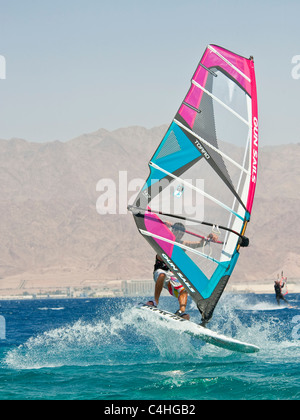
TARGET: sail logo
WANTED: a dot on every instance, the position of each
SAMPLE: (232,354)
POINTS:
(2,67)
(296,68)
(171,316)
(178,273)
(255,149)
(202,150)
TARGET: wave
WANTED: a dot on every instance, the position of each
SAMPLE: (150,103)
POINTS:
(51,309)
(133,337)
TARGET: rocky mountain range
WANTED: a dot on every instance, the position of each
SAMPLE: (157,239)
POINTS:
(51,229)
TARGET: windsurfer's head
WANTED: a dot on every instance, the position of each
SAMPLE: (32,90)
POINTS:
(178,229)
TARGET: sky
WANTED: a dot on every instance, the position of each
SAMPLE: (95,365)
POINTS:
(75,66)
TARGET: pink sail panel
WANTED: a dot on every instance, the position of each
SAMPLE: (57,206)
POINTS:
(236,66)
(155,225)
(193,98)
(239,68)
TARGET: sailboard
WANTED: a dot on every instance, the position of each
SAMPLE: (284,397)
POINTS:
(204,334)
(203,177)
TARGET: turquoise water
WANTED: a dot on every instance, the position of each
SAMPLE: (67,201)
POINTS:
(105,349)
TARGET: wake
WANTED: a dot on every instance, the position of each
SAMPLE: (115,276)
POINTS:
(126,335)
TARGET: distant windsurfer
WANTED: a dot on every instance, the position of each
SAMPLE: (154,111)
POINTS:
(165,279)
(279,286)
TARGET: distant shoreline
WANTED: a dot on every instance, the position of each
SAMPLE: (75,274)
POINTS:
(63,297)
(26,288)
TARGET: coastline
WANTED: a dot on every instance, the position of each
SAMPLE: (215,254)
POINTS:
(21,289)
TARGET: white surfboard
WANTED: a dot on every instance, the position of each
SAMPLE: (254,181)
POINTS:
(202,333)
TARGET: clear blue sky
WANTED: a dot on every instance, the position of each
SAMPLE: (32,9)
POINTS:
(74,66)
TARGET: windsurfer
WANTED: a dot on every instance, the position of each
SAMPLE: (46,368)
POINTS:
(278,286)
(165,279)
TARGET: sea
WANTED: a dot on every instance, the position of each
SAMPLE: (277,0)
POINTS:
(109,350)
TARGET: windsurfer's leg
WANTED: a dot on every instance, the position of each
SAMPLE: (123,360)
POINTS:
(159,286)
(159,277)
(177,290)
(182,298)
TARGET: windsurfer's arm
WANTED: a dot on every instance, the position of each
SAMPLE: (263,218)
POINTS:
(168,224)
(194,244)
(212,237)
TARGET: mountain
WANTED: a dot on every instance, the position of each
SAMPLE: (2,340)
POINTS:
(51,232)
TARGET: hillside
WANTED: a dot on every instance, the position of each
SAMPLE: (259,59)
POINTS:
(52,233)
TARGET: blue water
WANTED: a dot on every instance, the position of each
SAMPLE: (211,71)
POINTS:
(105,349)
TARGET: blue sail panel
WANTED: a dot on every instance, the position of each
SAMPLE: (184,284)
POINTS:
(189,269)
(204,285)
(175,152)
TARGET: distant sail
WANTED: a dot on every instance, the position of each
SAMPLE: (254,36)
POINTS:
(203,175)
(284,285)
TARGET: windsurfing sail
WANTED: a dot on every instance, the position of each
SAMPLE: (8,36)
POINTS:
(284,285)
(202,178)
